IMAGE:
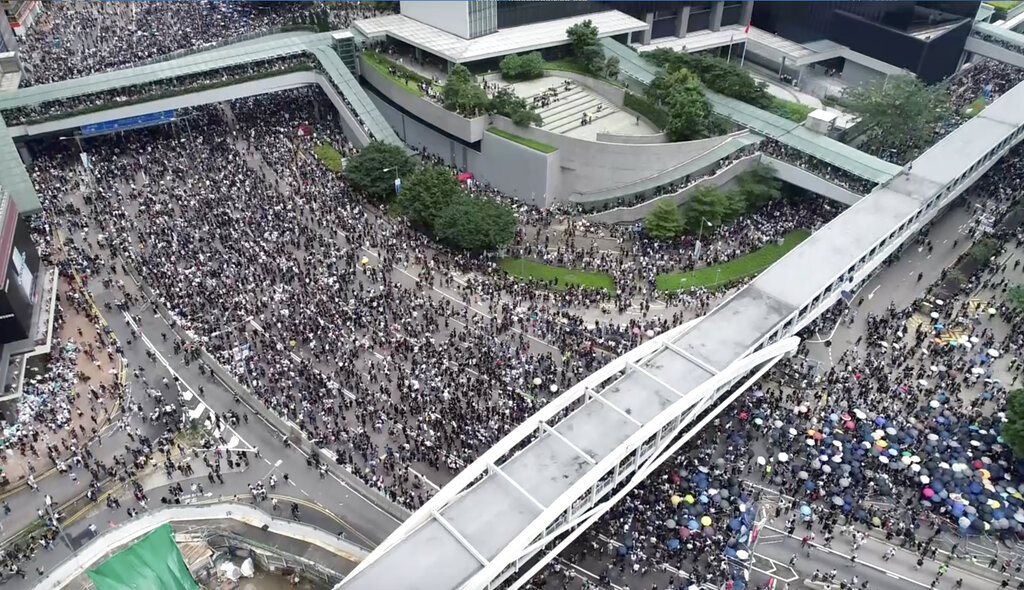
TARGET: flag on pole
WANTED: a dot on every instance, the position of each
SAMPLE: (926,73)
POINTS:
(746,31)
(398,185)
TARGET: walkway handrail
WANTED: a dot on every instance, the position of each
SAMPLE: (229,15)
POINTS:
(110,541)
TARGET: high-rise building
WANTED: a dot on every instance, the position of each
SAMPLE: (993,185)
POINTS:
(922,37)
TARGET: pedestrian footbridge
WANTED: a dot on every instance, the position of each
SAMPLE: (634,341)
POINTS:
(999,43)
(256,66)
(507,514)
(787,132)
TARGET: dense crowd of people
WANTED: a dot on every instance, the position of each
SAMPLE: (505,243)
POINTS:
(901,434)
(403,359)
(75,39)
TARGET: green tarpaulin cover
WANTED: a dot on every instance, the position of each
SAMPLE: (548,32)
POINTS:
(151,563)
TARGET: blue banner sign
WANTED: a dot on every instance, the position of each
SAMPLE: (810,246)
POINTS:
(128,123)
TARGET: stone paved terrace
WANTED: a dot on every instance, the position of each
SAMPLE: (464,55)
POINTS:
(565,112)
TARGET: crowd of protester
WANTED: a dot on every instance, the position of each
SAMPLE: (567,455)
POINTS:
(75,39)
(899,435)
(402,359)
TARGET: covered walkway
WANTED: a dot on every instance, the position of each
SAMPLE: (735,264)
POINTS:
(321,46)
(767,124)
(999,43)
(509,512)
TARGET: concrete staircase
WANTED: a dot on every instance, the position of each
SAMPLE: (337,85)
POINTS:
(566,113)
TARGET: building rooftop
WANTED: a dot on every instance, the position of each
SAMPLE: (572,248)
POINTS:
(503,42)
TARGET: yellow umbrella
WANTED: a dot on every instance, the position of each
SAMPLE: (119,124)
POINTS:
(705,520)
(985,473)
(689,498)
(675,500)
(882,442)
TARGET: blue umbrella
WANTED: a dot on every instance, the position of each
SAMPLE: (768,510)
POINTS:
(673,544)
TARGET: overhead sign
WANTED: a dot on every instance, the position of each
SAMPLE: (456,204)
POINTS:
(128,123)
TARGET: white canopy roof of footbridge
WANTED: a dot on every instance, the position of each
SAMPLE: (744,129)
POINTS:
(476,525)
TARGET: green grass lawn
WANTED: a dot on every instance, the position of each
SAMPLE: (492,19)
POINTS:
(329,156)
(528,269)
(540,147)
(793,111)
(1004,4)
(381,64)
(734,270)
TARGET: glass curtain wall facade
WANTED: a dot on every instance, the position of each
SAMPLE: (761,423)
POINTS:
(483,17)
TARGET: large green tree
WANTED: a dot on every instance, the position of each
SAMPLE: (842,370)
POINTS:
(522,67)
(707,207)
(1015,297)
(663,86)
(759,187)
(426,194)
(462,94)
(690,115)
(1012,430)
(374,168)
(583,40)
(507,103)
(900,112)
(475,223)
(664,222)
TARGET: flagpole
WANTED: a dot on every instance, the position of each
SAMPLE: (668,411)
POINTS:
(746,39)
(744,55)
(732,38)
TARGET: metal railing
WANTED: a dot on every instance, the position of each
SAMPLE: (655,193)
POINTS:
(110,541)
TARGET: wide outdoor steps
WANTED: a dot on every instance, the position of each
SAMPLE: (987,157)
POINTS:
(566,113)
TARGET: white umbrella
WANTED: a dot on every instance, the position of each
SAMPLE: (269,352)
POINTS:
(922,383)
(974,340)
(939,302)
(553,388)
(837,458)
(935,315)
(761,461)
(536,381)
(860,414)
(934,403)
(977,371)
(925,479)
(810,442)
(883,459)
(792,432)
(993,353)
(783,457)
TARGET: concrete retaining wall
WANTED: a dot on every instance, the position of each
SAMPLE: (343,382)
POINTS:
(614,94)
(517,170)
(595,167)
(804,179)
(468,130)
(633,139)
(637,212)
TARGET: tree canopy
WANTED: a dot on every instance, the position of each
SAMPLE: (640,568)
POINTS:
(507,103)
(1015,297)
(690,115)
(900,112)
(716,74)
(522,67)
(426,194)
(1012,430)
(583,40)
(373,169)
(759,187)
(475,223)
(664,222)
(462,94)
